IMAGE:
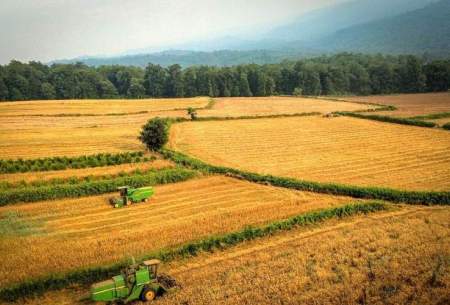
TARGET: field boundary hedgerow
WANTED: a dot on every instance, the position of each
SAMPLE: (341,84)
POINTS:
(387,194)
(88,188)
(34,287)
(11,166)
(433,116)
(388,119)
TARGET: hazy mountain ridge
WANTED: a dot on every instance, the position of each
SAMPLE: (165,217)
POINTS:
(426,30)
(326,21)
(399,27)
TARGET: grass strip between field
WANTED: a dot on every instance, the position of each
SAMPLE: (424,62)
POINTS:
(446,126)
(398,196)
(87,276)
(389,119)
(61,163)
(88,188)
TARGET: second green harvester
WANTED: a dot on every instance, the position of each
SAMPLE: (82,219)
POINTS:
(130,195)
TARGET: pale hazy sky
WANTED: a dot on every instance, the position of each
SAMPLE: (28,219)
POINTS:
(54,29)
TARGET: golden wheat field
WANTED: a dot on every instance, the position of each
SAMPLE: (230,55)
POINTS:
(409,105)
(81,135)
(397,257)
(260,106)
(85,172)
(98,107)
(89,232)
(339,150)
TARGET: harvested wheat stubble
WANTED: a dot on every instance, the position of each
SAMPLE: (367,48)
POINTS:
(64,107)
(35,137)
(409,105)
(231,107)
(396,257)
(84,172)
(94,233)
(338,150)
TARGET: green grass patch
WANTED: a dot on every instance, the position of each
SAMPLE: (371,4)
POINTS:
(89,188)
(38,286)
(62,163)
(399,196)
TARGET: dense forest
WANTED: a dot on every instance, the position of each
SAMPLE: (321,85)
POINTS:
(326,75)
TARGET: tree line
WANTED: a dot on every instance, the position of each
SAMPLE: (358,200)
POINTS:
(326,75)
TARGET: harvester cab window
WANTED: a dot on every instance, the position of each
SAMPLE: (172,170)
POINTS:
(152,266)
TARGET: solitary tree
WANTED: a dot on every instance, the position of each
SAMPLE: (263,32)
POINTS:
(155,133)
(192,112)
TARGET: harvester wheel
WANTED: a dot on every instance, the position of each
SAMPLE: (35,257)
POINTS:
(148,294)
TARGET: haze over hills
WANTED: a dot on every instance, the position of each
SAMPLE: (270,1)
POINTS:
(421,31)
(397,27)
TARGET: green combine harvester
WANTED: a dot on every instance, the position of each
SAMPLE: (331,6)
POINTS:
(130,195)
(137,282)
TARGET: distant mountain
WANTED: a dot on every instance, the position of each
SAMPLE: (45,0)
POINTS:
(421,31)
(368,26)
(326,21)
(192,58)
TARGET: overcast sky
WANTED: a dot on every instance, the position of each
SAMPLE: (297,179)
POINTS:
(53,29)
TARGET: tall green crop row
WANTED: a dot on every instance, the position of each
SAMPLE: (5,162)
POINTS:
(88,188)
(62,163)
(38,286)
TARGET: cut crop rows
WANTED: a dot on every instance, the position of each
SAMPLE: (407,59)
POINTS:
(333,150)
(94,233)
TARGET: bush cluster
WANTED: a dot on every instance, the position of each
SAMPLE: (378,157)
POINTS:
(395,120)
(87,188)
(446,126)
(399,196)
(62,163)
(91,275)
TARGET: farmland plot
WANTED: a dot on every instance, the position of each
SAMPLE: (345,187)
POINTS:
(259,106)
(396,257)
(409,105)
(98,107)
(35,137)
(338,150)
(77,233)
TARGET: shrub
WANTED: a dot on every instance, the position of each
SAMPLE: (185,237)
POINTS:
(155,133)
(446,126)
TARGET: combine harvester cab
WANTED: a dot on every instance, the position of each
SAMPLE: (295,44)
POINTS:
(130,195)
(137,282)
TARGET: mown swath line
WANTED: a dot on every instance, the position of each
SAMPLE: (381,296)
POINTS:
(38,286)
